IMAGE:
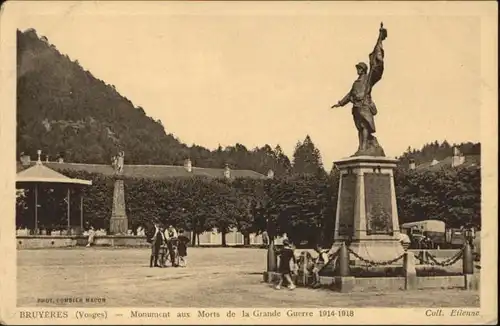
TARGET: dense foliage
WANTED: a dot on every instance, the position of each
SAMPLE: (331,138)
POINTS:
(450,195)
(302,206)
(438,151)
(64,110)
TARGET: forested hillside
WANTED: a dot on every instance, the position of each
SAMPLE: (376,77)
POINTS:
(63,109)
(438,151)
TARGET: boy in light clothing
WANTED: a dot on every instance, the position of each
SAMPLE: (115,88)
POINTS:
(319,263)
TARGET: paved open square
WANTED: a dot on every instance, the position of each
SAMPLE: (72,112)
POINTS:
(215,277)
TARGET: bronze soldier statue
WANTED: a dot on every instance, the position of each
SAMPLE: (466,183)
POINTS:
(364,109)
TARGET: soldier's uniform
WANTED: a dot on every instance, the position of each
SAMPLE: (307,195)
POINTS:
(364,108)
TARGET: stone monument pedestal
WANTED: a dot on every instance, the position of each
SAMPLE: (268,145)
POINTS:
(118,223)
(367,216)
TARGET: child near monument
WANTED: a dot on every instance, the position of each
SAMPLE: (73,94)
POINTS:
(287,262)
(319,263)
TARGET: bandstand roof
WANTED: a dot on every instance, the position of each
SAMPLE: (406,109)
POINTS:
(39,173)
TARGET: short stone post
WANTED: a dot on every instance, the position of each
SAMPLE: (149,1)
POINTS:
(468,268)
(344,261)
(271,258)
(410,271)
(344,282)
(303,269)
(271,263)
(424,260)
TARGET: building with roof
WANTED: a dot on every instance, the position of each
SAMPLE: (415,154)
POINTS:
(52,169)
(450,162)
(38,176)
(148,171)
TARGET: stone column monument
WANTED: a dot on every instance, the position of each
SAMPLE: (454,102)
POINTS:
(367,215)
(118,223)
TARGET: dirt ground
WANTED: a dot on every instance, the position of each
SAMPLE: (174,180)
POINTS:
(215,277)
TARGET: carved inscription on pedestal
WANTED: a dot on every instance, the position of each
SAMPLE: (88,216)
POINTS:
(118,199)
(378,203)
(118,222)
(346,205)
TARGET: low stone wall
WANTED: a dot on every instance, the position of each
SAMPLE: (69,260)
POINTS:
(121,241)
(35,242)
(54,241)
(63,241)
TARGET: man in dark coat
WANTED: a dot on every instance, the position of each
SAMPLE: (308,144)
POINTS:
(157,241)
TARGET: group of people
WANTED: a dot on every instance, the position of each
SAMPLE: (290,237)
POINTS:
(289,265)
(168,241)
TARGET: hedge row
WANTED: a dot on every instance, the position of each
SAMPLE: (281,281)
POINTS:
(302,206)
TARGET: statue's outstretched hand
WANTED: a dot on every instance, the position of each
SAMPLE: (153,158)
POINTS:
(335,106)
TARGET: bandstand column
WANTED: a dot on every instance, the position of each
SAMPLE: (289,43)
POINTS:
(36,208)
(68,208)
(81,211)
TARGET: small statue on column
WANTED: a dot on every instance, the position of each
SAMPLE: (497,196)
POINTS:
(117,162)
(121,161)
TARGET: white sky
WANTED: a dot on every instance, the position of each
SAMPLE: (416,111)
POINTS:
(270,75)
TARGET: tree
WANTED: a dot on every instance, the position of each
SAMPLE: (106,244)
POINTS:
(298,206)
(307,158)
(283,165)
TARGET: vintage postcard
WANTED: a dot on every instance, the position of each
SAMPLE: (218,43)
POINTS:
(248,162)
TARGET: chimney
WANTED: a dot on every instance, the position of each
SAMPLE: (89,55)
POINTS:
(25,159)
(412,164)
(270,174)
(457,158)
(188,165)
(227,171)
(39,153)
(434,162)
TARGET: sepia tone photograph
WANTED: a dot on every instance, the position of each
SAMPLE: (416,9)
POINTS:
(236,155)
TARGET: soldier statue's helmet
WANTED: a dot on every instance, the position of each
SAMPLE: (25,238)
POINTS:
(363,66)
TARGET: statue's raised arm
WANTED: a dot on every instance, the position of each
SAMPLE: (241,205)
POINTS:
(377,58)
(363,106)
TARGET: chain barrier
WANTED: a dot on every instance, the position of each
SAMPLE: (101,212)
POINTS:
(375,263)
(420,257)
(447,262)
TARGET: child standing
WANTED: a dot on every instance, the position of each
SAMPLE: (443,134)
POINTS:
(319,263)
(287,260)
(182,248)
(91,236)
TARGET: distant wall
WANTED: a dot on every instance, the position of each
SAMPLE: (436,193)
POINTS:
(35,242)
(233,238)
(61,241)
